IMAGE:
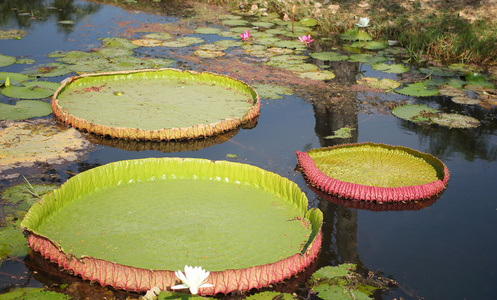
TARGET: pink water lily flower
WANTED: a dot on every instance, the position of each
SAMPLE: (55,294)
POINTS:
(245,36)
(306,39)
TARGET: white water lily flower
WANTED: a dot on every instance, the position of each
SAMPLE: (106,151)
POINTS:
(363,22)
(193,279)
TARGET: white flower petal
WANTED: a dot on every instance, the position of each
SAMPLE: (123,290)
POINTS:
(180,286)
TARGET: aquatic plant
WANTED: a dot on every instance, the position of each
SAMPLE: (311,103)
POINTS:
(245,36)
(306,40)
(194,278)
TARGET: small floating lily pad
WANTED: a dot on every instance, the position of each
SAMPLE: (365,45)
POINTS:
(329,56)
(24,109)
(207,30)
(305,67)
(414,113)
(235,22)
(455,121)
(147,42)
(14,78)
(465,100)
(12,242)
(384,83)
(268,295)
(318,75)
(354,35)
(437,71)
(6,60)
(342,133)
(418,89)
(390,68)
(371,45)
(309,22)
(209,53)
(159,36)
(271,91)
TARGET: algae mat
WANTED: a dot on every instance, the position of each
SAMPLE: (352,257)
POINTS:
(165,104)
(146,218)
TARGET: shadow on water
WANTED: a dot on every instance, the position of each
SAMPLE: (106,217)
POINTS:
(406,245)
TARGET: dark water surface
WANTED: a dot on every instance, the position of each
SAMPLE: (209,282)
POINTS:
(445,251)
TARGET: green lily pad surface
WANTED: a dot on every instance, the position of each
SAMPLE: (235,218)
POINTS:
(220,215)
(165,104)
(6,60)
(24,109)
(374,172)
(330,56)
(418,89)
(413,112)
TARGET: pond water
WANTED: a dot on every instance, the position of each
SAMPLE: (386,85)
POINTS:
(444,251)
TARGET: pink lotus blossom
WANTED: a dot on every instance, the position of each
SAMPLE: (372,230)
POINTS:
(306,39)
(245,36)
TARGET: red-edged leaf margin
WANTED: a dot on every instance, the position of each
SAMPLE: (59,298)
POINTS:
(372,193)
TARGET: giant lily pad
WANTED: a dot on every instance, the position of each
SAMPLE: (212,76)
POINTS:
(374,172)
(166,104)
(250,228)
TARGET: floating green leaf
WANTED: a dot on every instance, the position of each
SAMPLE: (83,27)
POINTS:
(390,68)
(318,75)
(159,36)
(208,53)
(437,71)
(327,291)
(24,109)
(305,67)
(372,45)
(329,56)
(309,22)
(414,113)
(330,272)
(342,133)
(271,91)
(207,30)
(14,78)
(235,22)
(6,60)
(354,35)
(263,24)
(21,198)
(12,242)
(418,89)
(385,84)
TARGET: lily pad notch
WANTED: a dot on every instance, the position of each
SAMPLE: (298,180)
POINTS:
(187,196)
(374,172)
(155,104)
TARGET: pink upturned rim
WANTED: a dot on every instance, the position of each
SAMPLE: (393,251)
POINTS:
(130,278)
(356,191)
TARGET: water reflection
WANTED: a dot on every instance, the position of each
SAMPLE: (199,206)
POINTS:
(26,14)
